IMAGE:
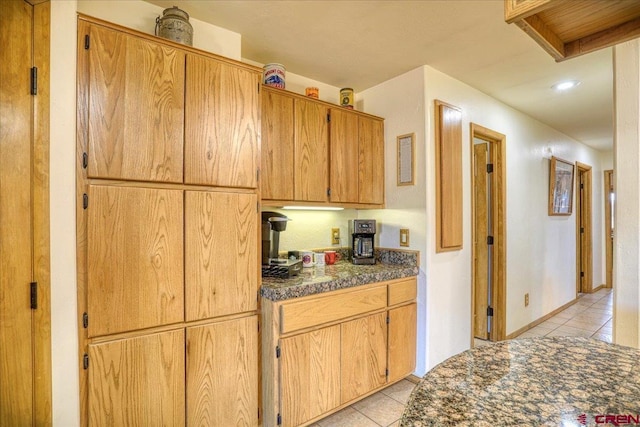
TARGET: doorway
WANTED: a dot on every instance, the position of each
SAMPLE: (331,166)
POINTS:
(609,226)
(25,326)
(488,201)
(584,245)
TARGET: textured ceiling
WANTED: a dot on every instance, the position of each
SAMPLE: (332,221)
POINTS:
(362,43)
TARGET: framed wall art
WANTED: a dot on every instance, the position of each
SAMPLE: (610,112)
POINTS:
(560,187)
(406,159)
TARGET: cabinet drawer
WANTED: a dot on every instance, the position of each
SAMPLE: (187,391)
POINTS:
(313,312)
(402,291)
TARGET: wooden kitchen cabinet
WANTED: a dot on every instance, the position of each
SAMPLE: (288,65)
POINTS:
(311,151)
(222,123)
(314,152)
(167,232)
(402,341)
(310,375)
(221,249)
(137,381)
(344,156)
(370,161)
(323,352)
(134,258)
(222,373)
(363,356)
(295,148)
(135,107)
(277,145)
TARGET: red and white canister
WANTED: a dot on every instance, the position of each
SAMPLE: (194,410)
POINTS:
(273,75)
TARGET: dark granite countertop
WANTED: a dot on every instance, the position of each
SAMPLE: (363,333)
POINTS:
(546,381)
(314,280)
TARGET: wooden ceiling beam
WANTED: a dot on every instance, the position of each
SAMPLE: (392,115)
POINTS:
(602,39)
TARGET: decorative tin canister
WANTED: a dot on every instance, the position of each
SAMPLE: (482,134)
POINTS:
(346,97)
(174,25)
(312,92)
(273,75)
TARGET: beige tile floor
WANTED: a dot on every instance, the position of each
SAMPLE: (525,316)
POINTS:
(589,317)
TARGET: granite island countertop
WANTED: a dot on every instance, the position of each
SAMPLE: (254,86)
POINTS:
(343,274)
(546,381)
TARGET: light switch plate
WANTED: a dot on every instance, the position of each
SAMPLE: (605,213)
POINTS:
(404,237)
(335,236)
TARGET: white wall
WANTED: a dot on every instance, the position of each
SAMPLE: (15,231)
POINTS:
(626,269)
(540,249)
(310,229)
(64,318)
(141,16)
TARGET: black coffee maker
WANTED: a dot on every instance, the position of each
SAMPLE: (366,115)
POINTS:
(273,223)
(362,248)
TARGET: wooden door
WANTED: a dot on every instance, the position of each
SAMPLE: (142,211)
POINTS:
(363,356)
(402,341)
(134,258)
(138,381)
(343,166)
(277,146)
(221,252)
(222,373)
(222,124)
(609,226)
(371,161)
(584,232)
(16,345)
(311,151)
(481,276)
(309,375)
(135,107)
(25,338)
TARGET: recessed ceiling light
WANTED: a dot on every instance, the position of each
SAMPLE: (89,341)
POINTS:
(565,85)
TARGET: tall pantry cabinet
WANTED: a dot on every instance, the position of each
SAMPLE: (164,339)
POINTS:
(168,146)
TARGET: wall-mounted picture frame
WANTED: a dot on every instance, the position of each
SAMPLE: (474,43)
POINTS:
(406,159)
(560,187)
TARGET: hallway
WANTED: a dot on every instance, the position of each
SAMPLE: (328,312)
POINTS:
(589,317)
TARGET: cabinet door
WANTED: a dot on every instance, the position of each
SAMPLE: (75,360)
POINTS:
(222,373)
(222,124)
(364,356)
(371,161)
(344,156)
(311,151)
(277,146)
(135,108)
(309,375)
(138,381)
(221,244)
(134,258)
(402,341)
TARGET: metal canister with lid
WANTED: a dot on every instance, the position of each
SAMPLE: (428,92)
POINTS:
(346,97)
(174,25)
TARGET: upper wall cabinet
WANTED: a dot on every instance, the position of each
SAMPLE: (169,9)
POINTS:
(315,153)
(370,160)
(222,124)
(153,108)
(277,146)
(135,107)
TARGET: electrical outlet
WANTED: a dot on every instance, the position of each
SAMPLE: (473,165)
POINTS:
(335,236)
(404,237)
(526,300)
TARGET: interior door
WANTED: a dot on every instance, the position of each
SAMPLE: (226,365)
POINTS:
(610,201)
(481,262)
(16,346)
